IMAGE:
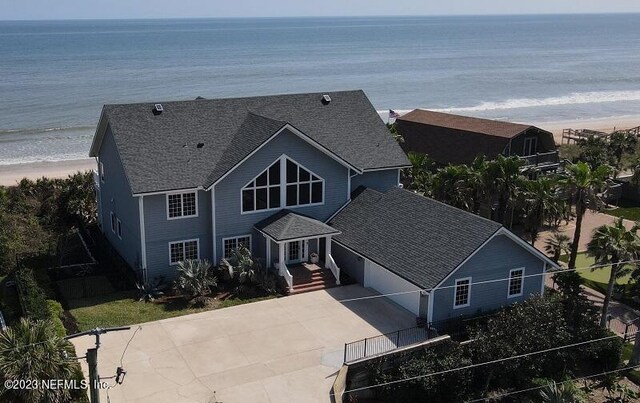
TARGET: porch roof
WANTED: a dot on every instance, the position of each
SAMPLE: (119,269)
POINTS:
(286,225)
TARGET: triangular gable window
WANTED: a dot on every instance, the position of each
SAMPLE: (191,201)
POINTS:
(268,191)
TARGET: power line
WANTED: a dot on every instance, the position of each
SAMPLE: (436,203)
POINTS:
(548,350)
(557,383)
(428,290)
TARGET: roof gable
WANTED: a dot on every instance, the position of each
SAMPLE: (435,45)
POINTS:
(160,151)
(417,238)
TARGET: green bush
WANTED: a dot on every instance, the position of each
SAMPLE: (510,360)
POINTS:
(56,313)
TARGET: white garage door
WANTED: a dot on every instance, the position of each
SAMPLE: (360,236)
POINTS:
(385,282)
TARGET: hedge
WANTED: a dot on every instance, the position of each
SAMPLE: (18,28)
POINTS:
(34,303)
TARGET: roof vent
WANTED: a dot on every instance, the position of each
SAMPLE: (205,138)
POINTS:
(157,109)
(200,145)
(326,99)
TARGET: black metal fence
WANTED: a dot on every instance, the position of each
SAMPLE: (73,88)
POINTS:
(384,343)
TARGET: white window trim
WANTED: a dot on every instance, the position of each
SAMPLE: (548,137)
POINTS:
(521,283)
(101,172)
(197,240)
(112,216)
(236,238)
(267,186)
(182,205)
(455,291)
(119,228)
(283,187)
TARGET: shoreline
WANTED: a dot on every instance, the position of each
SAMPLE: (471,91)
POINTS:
(10,175)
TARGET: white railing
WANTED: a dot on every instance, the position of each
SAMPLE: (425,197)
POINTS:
(334,268)
(284,272)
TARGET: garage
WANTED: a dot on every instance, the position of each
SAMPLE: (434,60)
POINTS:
(385,282)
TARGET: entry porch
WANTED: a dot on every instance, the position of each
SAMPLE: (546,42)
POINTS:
(299,247)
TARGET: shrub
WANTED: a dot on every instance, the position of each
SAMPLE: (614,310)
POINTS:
(195,279)
(32,297)
(56,313)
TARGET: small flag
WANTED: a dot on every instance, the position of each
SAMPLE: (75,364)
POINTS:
(393,114)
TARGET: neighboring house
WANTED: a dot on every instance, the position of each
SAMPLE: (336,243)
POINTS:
(455,139)
(196,179)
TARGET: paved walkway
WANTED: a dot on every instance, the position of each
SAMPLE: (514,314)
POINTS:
(281,350)
(591,221)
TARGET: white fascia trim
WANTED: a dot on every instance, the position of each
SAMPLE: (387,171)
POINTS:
(304,238)
(509,234)
(521,283)
(143,236)
(348,184)
(214,251)
(338,211)
(455,291)
(164,192)
(386,168)
(197,240)
(96,143)
(182,204)
(299,134)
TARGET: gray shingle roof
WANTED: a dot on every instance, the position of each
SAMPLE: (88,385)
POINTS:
(159,152)
(286,225)
(417,238)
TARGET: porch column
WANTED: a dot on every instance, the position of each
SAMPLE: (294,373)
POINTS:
(327,250)
(268,252)
(281,255)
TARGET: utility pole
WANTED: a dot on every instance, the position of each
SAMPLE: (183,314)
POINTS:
(92,358)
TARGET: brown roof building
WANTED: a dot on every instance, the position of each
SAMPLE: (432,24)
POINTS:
(455,139)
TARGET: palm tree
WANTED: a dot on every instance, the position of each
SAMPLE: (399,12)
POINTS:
(557,244)
(420,171)
(195,279)
(505,175)
(584,183)
(242,264)
(33,350)
(621,143)
(451,185)
(539,200)
(613,244)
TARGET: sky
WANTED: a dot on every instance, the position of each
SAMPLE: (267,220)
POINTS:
(106,9)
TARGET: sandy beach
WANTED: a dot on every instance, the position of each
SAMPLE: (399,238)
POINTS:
(605,125)
(12,174)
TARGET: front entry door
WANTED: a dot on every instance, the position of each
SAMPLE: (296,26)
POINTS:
(296,252)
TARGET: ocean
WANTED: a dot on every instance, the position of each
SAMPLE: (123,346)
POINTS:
(56,75)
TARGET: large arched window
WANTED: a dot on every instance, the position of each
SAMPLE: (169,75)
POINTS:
(284,183)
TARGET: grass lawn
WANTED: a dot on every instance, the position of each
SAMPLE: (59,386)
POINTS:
(597,279)
(122,309)
(627,210)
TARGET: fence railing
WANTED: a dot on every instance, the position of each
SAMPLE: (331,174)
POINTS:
(456,328)
(550,157)
(625,329)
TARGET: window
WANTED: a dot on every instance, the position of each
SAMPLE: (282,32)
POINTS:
(263,193)
(516,280)
(101,172)
(284,179)
(229,244)
(183,250)
(113,222)
(119,228)
(530,146)
(180,205)
(462,293)
(303,187)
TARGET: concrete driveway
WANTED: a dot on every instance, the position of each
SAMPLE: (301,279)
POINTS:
(280,350)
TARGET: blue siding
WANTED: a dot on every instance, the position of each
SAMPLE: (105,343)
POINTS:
(493,261)
(115,195)
(229,220)
(378,180)
(159,231)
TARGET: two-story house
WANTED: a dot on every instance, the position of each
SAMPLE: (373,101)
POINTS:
(456,139)
(288,176)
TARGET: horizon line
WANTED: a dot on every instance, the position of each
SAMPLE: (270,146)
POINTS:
(324,16)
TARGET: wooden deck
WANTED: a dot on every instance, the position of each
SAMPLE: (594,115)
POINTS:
(576,135)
